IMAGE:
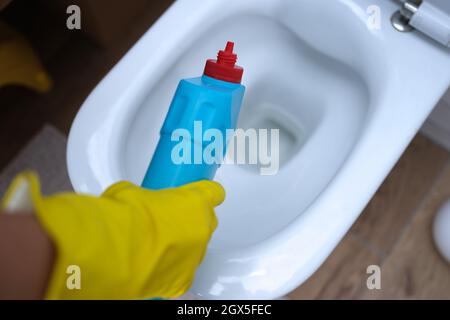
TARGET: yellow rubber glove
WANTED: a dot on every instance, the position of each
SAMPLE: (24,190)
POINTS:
(129,243)
(19,64)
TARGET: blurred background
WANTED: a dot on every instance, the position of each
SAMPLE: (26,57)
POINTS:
(76,60)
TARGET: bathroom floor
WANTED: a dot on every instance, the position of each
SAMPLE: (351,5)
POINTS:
(392,232)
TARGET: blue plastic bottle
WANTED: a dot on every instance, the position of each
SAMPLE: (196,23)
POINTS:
(212,101)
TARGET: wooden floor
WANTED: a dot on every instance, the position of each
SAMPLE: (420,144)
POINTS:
(392,232)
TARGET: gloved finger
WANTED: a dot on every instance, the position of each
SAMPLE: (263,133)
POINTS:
(20,193)
(212,191)
(118,187)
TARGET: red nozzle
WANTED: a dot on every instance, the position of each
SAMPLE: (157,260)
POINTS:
(224,68)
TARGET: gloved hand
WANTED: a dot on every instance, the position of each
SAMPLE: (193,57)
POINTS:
(129,243)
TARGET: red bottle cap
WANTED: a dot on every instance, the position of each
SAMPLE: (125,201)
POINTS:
(224,68)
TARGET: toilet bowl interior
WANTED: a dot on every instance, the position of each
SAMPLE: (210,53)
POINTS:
(318,104)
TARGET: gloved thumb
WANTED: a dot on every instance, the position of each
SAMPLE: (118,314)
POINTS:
(212,191)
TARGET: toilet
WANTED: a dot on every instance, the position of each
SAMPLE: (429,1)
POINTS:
(346,97)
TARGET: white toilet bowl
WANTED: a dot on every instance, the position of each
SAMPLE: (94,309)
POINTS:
(347,98)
